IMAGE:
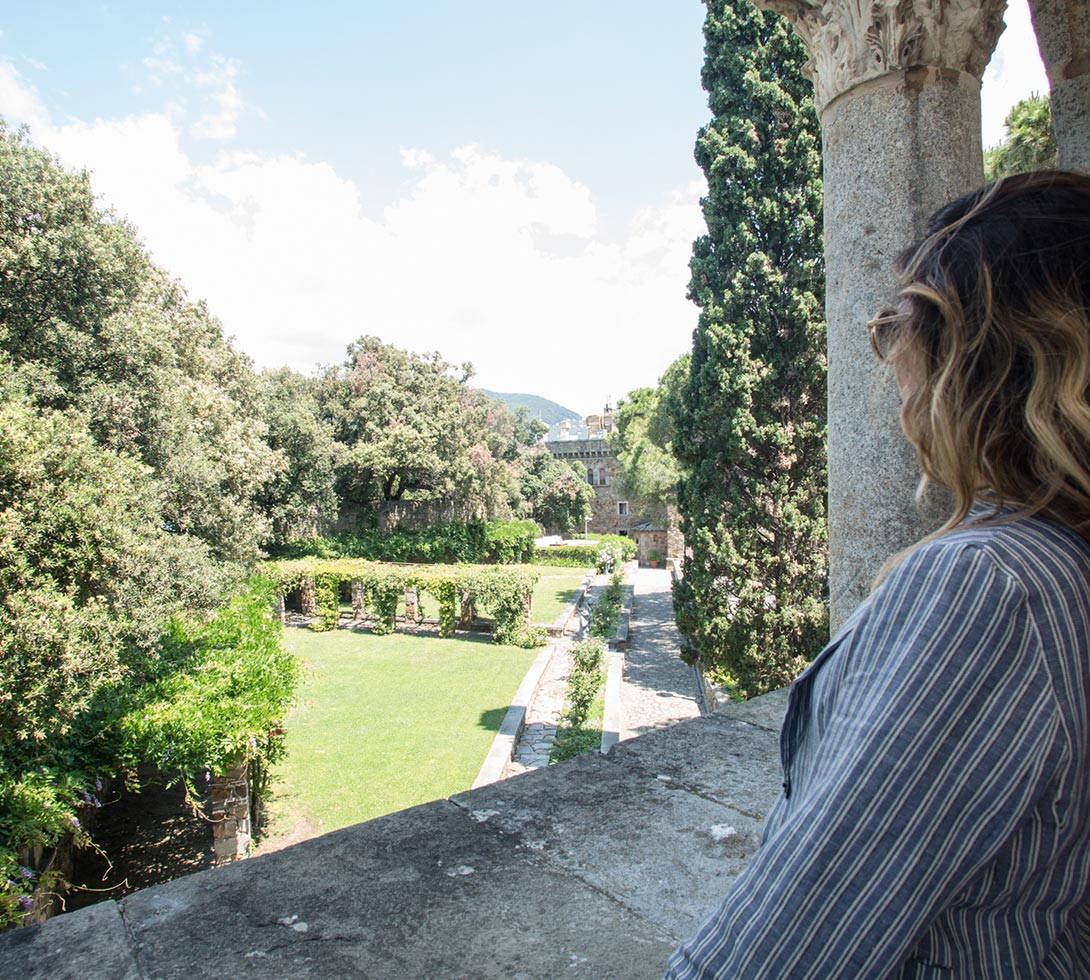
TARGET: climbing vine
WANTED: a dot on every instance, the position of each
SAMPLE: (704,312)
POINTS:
(504,592)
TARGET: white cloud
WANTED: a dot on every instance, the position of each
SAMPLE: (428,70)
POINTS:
(18,98)
(1014,72)
(193,43)
(223,122)
(496,261)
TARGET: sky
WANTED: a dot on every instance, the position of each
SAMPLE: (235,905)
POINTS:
(509,184)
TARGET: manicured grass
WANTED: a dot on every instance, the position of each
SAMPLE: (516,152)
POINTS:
(554,590)
(386,722)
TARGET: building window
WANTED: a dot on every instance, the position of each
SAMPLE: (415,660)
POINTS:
(622,508)
(602,476)
(590,477)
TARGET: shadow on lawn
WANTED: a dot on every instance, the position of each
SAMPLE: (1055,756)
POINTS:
(491,719)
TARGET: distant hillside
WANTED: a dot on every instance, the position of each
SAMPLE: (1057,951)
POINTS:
(540,408)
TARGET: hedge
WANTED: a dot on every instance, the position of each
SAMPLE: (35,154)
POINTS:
(479,542)
(378,586)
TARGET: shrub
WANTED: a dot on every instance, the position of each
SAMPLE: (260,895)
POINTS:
(509,542)
(505,590)
(326,598)
(494,542)
(569,555)
(214,696)
(585,681)
(606,614)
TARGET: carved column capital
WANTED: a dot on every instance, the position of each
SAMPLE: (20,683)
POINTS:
(855,41)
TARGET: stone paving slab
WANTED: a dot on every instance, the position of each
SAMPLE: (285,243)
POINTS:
(640,825)
(90,943)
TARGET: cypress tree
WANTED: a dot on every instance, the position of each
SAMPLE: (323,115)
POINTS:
(751,415)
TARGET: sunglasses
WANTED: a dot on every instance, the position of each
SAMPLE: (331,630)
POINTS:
(883,330)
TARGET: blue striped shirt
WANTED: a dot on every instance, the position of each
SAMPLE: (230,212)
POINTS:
(935,821)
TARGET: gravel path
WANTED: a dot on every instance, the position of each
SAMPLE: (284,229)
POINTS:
(658,688)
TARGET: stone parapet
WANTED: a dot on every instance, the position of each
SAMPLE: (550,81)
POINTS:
(595,868)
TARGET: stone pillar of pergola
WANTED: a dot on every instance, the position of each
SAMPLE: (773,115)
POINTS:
(1063,38)
(897,86)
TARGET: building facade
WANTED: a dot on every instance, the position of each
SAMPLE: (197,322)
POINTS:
(611,511)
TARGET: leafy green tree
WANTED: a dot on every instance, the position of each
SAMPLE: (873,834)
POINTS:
(528,429)
(411,430)
(643,440)
(555,493)
(87,575)
(1029,143)
(99,330)
(299,501)
(750,419)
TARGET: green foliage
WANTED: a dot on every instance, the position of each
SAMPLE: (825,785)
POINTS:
(131,458)
(643,440)
(94,328)
(555,493)
(327,601)
(574,737)
(299,500)
(214,695)
(620,544)
(619,548)
(477,542)
(750,418)
(38,808)
(1029,143)
(384,592)
(447,593)
(411,430)
(606,615)
(569,555)
(509,542)
(87,576)
(505,591)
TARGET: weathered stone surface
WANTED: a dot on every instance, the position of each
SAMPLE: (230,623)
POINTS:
(594,869)
(86,944)
(423,893)
(894,152)
(765,712)
(854,41)
(1063,38)
(664,823)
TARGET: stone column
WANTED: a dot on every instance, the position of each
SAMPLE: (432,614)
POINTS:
(897,86)
(1063,38)
(308,599)
(231,814)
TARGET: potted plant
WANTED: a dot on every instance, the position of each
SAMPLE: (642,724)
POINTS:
(653,558)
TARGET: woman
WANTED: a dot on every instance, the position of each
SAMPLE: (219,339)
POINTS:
(935,821)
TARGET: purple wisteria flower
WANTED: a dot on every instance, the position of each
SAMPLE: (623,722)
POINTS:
(74,821)
(25,903)
(26,873)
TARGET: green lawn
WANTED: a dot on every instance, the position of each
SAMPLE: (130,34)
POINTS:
(554,590)
(386,722)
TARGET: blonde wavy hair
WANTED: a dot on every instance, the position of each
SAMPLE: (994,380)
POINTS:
(994,348)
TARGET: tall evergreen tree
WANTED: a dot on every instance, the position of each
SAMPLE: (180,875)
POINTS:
(750,426)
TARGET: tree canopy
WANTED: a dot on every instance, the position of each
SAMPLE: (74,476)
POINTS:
(643,440)
(750,417)
(1029,143)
